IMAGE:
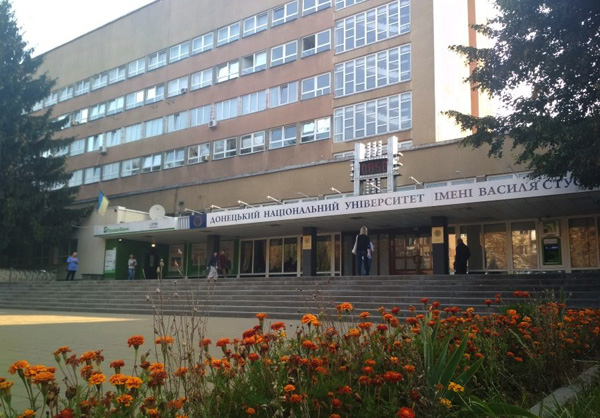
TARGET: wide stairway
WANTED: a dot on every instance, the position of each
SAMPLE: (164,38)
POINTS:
(289,298)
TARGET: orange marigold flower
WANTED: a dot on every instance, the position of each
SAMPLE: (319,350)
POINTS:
(19,365)
(409,368)
(289,388)
(28,413)
(86,371)
(346,390)
(511,312)
(488,302)
(253,357)
(336,403)
(446,402)
(223,342)
(308,319)
(152,413)
(205,342)
(66,413)
(165,340)
(250,411)
(133,382)
(518,359)
(382,327)
(345,307)
(43,377)
(277,326)
(157,367)
(364,315)
(62,349)
(118,379)
(135,341)
(88,356)
(370,362)
(97,379)
(295,398)
(5,385)
(406,412)
(353,332)
(117,364)
(125,400)
(309,345)
(395,310)
(424,301)
(393,377)
(182,371)
(261,315)
(334,416)
(364,380)
(368,370)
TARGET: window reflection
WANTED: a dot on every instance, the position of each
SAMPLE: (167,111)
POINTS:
(583,241)
(494,238)
(524,245)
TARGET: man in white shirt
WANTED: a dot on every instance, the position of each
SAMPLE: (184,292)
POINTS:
(132,263)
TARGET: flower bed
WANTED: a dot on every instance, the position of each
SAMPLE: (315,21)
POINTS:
(434,363)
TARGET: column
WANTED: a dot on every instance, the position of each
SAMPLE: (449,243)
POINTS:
(213,242)
(439,243)
(309,251)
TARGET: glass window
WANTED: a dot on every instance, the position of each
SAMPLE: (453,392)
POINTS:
(115,106)
(342,4)
(255,24)
(133,133)
(202,43)
(318,85)
(253,257)
(77,147)
(177,86)
(282,54)
(285,13)
(153,127)
(228,34)
(136,67)
(200,115)
(38,106)
(252,143)
(255,62)
(116,74)
(315,130)
(91,175)
(64,94)
(130,167)
(227,109)
(110,171)
(316,43)
(198,153)
(99,80)
(494,239)
(133,100)
(157,60)
(76,178)
(177,121)
(151,163)
(224,148)
(95,142)
(254,102)
(312,6)
(80,116)
(51,99)
(82,87)
(471,235)
(228,71)
(202,79)
(284,136)
(98,111)
(284,94)
(113,138)
(174,158)
(155,94)
(583,243)
(524,245)
(179,52)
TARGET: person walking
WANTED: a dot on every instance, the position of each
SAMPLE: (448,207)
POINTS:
(72,266)
(361,248)
(223,263)
(131,264)
(212,267)
(462,255)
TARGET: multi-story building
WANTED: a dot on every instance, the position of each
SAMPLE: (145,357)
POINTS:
(241,119)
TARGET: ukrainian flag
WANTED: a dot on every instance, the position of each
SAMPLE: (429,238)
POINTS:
(102,203)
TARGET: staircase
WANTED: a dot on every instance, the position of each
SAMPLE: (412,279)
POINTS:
(289,298)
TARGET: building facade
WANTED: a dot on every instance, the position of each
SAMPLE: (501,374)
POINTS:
(240,119)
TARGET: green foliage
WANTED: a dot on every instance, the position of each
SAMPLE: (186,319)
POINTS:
(31,214)
(552,47)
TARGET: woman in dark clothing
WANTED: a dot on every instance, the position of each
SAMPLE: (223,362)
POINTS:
(363,244)
(462,255)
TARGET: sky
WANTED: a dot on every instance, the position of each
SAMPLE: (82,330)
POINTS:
(46,24)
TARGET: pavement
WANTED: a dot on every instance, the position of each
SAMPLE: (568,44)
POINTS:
(34,335)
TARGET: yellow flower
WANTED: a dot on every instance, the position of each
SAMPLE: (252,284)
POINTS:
(446,402)
(455,387)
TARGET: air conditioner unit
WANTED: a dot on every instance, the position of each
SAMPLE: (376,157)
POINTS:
(212,123)
(103,149)
(204,158)
(184,90)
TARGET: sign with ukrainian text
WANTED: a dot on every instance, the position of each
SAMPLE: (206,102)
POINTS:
(134,227)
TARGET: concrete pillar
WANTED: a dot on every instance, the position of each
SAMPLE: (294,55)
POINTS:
(309,251)
(440,251)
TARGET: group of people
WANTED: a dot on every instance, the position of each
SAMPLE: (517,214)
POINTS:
(218,264)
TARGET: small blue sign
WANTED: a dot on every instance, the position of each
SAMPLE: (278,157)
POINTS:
(198,221)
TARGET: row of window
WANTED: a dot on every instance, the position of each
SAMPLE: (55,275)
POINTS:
(227,34)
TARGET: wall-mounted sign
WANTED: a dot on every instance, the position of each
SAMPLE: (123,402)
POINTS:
(197,221)
(550,228)
(134,227)
(437,235)
(306,242)
(110,260)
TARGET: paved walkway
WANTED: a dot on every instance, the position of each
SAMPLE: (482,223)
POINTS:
(34,336)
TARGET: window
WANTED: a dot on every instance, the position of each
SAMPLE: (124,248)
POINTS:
(80,116)
(76,178)
(151,163)
(91,175)
(254,102)
(375,117)
(95,142)
(228,71)
(130,167)
(155,94)
(202,79)
(77,147)
(198,153)
(82,87)
(583,243)
(65,94)
(99,81)
(255,62)
(66,119)
(372,26)
(136,67)
(177,122)
(284,136)
(61,151)
(110,171)
(174,158)
(113,138)
(98,111)
(282,54)
(228,34)
(200,115)
(316,43)
(342,4)
(133,100)
(153,127)
(252,143)
(284,94)
(202,43)
(157,60)
(177,86)
(37,106)
(312,6)
(51,99)
(318,85)
(115,106)
(255,24)
(373,71)
(315,130)
(179,52)
(224,148)
(133,133)
(227,109)
(285,13)
(116,74)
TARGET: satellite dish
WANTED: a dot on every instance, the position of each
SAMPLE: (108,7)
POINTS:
(156,212)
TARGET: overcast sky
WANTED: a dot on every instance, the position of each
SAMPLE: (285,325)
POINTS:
(46,24)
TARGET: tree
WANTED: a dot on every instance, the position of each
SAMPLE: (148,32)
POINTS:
(544,68)
(33,211)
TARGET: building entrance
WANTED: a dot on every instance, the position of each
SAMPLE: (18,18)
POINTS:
(410,253)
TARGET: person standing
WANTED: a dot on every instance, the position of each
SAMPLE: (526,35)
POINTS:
(212,267)
(462,255)
(369,263)
(72,266)
(223,263)
(361,247)
(131,264)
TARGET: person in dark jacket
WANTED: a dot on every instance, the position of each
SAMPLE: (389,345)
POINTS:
(462,255)
(362,247)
